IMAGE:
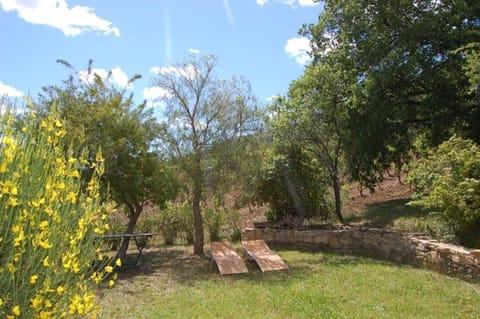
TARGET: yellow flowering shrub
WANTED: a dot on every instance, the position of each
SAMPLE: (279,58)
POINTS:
(50,259)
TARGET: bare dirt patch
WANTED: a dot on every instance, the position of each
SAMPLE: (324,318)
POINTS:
(388,190)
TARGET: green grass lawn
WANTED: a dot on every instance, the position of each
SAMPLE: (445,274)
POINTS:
(318,285)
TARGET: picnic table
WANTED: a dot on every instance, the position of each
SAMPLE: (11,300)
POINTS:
(140,240)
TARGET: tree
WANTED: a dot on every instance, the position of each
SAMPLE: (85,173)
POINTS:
(202,111)
(407,69)
(292,183)
(98,116)
(313,116)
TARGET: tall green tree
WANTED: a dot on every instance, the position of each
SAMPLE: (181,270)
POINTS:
(202,111)
(99,116)
(313,116)
(407,69)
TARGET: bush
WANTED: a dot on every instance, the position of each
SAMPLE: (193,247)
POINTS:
(214,219)
(293,186)
(169,222)
(186,228)
(48,223)
(233,222)
(448,180)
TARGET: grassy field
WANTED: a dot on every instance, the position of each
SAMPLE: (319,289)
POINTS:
(318,285)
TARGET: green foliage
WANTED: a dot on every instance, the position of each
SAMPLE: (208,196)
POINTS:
(48,222)
(173,221)
(100,116)
(233,220)
(292,185)
(448,180)
(169,221)
(203,114)
(396,52)
(214,219)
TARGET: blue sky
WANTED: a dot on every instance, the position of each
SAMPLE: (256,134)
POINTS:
(257,39)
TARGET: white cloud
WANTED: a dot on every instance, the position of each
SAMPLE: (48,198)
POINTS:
(7,90)
(187,71)
(292,3)
(120,78)
(56,13)
(307,3)
(194,51)
(115,76)
(155,92)
(155,96)
(298,49)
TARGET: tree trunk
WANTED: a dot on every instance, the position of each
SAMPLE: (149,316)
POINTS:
(197,197)
(135,211)
(197,217)
(338,198)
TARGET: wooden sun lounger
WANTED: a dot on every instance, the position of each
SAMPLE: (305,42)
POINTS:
(266,259)
(227,259)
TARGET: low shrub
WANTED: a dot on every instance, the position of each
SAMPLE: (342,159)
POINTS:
(169,222)
(214,219)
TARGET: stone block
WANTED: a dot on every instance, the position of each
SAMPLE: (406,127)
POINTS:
(309,237)
(269,235)
(476,253)
(299,236)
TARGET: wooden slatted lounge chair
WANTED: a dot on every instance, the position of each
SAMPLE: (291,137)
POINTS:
(227,259)
(266,259)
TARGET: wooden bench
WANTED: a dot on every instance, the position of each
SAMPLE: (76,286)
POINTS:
(227,259)
(266,259)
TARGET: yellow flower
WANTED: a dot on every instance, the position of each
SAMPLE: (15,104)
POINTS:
(45,262)
(111,283)
(45,314)
(45,244)
(16,311)
(108,269)
(36,302)
(33,279)
(19,238)
(72,197)
(1,303)
(43,224)
(118,262)
(11,268)
(60,290)
(12,201)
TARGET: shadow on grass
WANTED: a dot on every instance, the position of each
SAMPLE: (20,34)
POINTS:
(384,214)
(177,263)
(184,268)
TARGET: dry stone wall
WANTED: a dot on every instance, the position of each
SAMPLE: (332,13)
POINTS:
(383,244)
